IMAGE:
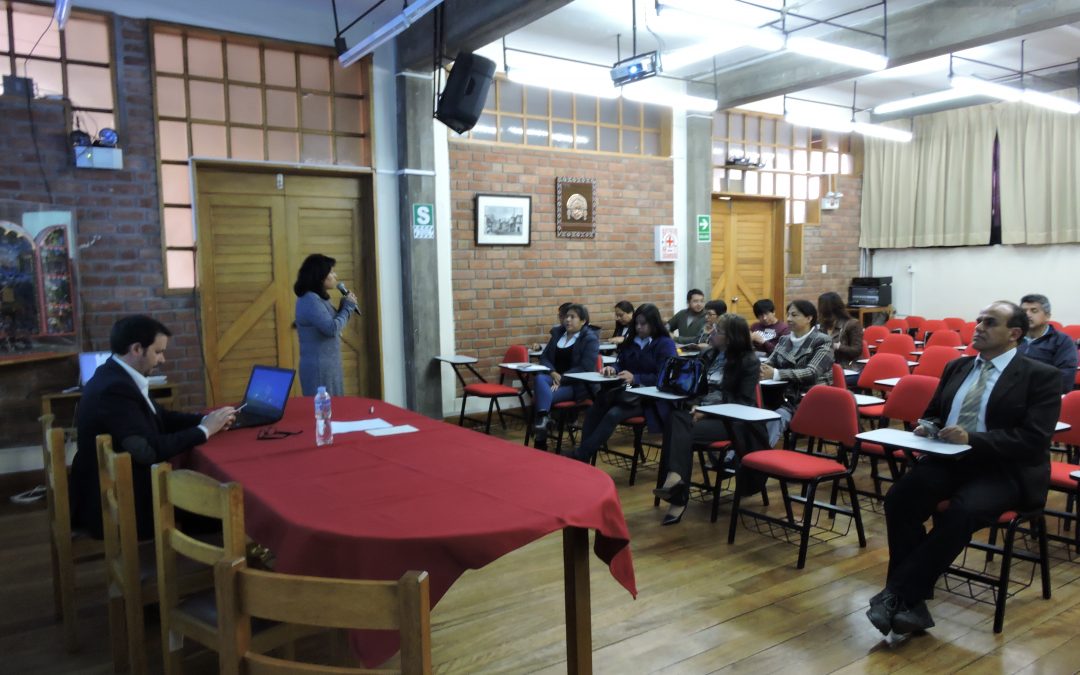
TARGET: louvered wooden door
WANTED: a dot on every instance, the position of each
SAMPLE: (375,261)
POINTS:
(747,253)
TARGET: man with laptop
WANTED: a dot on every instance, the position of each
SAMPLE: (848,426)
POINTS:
(117,401)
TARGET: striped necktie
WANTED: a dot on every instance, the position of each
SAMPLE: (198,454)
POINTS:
(969,409)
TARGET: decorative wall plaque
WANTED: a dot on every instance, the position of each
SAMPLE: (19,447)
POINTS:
(575,208)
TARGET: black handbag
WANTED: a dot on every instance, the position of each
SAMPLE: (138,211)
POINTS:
(683,376)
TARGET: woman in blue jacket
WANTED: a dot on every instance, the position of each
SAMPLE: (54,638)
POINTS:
(638,363)
(573,348)
(319,325)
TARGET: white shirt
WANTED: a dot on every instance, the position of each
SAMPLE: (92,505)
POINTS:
(568,340)
(143,383)
(1000,363)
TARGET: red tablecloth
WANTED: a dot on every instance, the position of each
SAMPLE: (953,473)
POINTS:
(443,499)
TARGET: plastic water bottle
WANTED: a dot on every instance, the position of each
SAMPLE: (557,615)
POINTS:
(324,434)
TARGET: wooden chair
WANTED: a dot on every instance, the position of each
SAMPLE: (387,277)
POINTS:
(245,594)
(195,615)
(131,579)
(67,548)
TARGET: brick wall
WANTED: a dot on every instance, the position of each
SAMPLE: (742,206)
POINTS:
(834,243)
(506,295)
(122,272)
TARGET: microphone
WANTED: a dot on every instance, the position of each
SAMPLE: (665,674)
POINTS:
(345,291)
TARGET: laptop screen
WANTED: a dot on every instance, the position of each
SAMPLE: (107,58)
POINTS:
(89,362)
(268,390)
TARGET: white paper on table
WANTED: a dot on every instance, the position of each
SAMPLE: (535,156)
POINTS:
(344,427)
(391,431)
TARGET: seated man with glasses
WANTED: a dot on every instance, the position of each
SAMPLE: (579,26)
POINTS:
(1005,406)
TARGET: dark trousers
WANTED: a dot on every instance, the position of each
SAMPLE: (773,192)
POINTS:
(682,433)
(977,496)
(600,421)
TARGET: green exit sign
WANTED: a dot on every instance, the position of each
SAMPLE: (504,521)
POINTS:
(704,229)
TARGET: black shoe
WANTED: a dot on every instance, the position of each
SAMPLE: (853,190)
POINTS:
(677,494)
(883,607)
(912,619)
(672,520)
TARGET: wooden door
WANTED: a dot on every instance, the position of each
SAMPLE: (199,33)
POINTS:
(254,231)
(747,253)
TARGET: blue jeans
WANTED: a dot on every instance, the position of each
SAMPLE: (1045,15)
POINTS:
(544,398)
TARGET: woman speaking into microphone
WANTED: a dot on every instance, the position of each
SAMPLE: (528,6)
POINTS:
(319,325)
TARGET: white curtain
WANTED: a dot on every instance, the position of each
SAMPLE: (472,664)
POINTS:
(934,191)
(1039,174)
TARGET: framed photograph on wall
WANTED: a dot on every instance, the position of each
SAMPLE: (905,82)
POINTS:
(575,208)
(503,220)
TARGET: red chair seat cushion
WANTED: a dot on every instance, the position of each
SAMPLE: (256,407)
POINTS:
(878,451)
(489,390)
(872,410)
(719,445)
(565,405)
(1059,476)
(637,420)
(791,464)
(1003,519)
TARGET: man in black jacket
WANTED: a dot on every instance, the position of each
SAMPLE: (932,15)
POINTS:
(1005,406)
(117,401)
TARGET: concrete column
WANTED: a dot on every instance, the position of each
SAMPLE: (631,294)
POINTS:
(419,258)
(698,184)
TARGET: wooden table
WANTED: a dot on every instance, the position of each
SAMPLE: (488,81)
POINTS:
(863,312)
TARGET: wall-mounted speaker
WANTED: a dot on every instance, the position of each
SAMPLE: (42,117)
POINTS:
(466,89)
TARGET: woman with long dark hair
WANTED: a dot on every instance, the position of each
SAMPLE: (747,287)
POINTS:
(845,332)
(732,374)
(319,325)
(638,363)
(624,314)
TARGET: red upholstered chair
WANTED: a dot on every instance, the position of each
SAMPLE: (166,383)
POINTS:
(1056,324)
(871,334)
(825,414)
(914,322)
(1072,330)
(934,359)
(493,391)
(1035,523)
(881,367)
(906,404)
(967,333)
(637,456)
(929,326)
(897,343)
(954,322)
(897,325)
(944,338)
(1070,413)
(838,380)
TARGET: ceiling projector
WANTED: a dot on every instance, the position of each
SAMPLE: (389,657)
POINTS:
(635,68)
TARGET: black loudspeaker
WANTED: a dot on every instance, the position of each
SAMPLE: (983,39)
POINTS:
(466,89)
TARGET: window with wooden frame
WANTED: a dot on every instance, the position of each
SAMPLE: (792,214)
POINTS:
(520,114)
(760,154)
(232,97)
(74,64)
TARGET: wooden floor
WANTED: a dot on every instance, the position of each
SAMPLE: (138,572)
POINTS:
(703,606)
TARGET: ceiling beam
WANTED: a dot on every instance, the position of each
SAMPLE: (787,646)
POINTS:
(469,25)
(930,30)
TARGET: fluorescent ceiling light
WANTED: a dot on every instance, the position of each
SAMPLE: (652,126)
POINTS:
(670,100)
(924,100)
(61,13)
(846,126)
(560,75)
(975,86)
(387,31)
(1050,102)
(849,56)
(883,132)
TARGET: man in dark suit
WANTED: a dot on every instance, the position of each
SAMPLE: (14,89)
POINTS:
(1005,406)
(117,401)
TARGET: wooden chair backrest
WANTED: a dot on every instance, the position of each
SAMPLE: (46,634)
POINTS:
(403,605)
(118,516)
(199,494)
(57,500)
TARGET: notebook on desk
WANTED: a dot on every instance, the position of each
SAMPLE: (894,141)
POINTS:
(265,398)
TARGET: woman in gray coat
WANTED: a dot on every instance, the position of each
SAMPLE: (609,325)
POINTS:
(319,325)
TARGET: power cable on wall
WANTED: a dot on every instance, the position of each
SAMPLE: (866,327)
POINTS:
(30,114)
